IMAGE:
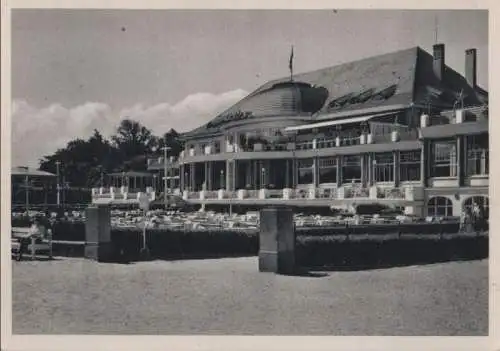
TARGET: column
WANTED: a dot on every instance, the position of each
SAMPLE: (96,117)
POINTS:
(396,168)
(370,169)
(287,174)
(235,175)
(460,160)
(206,175)
(363,169)
(229,176)
(248,173)
(181,178)
(192,181)
(425,163)
(315,172)
(210,175)
(294,173)
(339,171)
(255,174)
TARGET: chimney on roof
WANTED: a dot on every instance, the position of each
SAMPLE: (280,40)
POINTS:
(471,67)
(438,64)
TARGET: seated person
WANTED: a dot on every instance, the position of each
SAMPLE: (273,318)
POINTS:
(37,231)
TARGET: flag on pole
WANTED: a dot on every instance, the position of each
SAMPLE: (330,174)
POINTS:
(290,64)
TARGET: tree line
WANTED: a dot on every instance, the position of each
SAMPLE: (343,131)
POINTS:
(83,161)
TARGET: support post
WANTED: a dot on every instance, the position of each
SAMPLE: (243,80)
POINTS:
(98,245)
(277,241)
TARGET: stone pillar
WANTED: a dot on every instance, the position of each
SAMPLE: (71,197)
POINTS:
(277,241)
(461,166)
(205,181)
(395,155)
(315,172)
(339,171)
(287,174)
(370,169)
(192,174)
(98,245)
(210,175)
(425,163)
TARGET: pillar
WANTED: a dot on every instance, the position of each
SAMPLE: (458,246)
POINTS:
(206,175)
(210,175)
(294,173)
(181,178)
(277,241)
(287,174)
(460,160)
(395,154)
(362,168)
(192,176)
(370,169)
(248,173)
(315,172)
(425,163)
(98,245)
(339,171)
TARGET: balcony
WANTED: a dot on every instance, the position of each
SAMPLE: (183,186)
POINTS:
(352,193)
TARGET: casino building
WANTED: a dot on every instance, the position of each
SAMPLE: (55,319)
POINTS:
(401,128)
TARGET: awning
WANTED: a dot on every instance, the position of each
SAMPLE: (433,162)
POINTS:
(336,122)
(26,171)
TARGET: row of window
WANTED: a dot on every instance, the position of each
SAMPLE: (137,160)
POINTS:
(351,171)
(444,156)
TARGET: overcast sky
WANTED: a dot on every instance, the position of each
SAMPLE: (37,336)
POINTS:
(76,70)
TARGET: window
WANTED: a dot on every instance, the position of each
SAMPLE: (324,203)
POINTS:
(409,165)
(305,171)
(328,170)
(439,206)
(477,155)
(444,159)
(217,147)
(351,169)
(383,167)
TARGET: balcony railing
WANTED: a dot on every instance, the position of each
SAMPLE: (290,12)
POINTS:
(333,193)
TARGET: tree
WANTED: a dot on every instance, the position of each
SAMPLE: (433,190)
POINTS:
(82,161)
(133,139)
(171,139)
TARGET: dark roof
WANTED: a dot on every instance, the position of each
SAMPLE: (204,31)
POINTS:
(398,78)
(30,172)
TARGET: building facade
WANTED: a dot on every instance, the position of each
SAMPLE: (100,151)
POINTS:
(401,129)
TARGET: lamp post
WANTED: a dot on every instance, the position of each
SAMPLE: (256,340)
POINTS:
(58,186)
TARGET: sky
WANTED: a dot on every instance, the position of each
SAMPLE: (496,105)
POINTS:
(74,71)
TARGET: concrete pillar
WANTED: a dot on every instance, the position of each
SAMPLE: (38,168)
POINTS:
(425,163)
(287,174)
(277,241)
(395,155)
(209,175)
(192,175)
(98,245)
(315,172)
(339,171)
(461,166)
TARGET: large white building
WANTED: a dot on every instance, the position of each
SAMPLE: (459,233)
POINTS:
(401,128)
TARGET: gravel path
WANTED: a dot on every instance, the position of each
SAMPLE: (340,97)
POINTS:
(229,296)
